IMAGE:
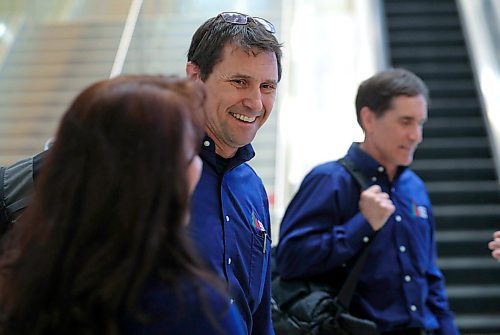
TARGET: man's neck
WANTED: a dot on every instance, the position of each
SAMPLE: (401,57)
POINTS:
(221,149)
(390,170)
(224,153)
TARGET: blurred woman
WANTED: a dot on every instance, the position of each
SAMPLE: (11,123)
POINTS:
(102,249)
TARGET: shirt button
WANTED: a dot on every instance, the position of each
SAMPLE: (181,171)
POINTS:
(374,178)
(398,218)
(393,190)
(366,239)
(402,248)
(380,169)
(407,278)
(227,218)
(413,308)
(229,261)
(231,301)
(206,143)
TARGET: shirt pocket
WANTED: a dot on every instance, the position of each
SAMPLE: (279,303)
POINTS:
(261,248)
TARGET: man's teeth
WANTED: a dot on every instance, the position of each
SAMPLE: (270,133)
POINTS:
(243,117)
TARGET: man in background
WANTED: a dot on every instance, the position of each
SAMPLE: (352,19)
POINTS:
(329,221)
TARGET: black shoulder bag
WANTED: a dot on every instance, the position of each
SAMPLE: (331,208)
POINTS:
(17,183)
(301,307)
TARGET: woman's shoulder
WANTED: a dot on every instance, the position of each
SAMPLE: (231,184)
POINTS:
(195,306)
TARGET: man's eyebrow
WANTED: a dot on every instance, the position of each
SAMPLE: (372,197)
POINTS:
(245,76)
(271,81)
(240,75)
(411,118)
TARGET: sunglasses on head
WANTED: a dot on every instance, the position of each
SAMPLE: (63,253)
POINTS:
(242,19)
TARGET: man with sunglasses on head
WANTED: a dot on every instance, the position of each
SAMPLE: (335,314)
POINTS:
(238,60)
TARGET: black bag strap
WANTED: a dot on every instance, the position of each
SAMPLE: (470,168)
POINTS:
(346,292)
(356,173)
(4,215)
(16,188)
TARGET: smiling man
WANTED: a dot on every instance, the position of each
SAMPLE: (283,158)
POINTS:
(329,221)
(237,59)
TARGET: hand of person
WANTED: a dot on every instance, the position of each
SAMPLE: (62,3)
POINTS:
(376,206)
(494,245)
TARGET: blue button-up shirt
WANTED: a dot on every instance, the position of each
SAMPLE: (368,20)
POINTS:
(323,231)
(230,227)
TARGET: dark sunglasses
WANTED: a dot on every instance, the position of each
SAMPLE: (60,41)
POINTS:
(239,18)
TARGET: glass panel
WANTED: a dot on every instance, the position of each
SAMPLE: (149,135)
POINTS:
(51,50)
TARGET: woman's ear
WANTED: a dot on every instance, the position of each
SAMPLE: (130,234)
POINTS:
(192,71)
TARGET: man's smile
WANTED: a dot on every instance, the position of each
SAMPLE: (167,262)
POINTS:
(243,118)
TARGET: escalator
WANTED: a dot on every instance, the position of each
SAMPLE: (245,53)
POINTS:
(54,54)
(455,159)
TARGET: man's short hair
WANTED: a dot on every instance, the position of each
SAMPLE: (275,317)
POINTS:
(212,36)
(378,91)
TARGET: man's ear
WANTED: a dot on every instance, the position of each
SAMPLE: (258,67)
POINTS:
(192,71)
(367,117)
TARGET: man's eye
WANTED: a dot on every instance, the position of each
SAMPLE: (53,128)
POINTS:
(269,87)
(238,82)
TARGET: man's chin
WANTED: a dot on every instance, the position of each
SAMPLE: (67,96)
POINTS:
(406,162)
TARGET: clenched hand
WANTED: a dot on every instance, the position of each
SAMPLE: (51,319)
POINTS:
(376,206)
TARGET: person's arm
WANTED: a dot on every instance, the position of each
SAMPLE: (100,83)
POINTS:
(322,227)
(494,245)
(437,300)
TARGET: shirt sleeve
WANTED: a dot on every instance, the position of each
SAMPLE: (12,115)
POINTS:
(262,322)
(322,227)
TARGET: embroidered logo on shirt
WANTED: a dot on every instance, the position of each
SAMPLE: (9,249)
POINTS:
(261,228)
(419,211)
(257,223)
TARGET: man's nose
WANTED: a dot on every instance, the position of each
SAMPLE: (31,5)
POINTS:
(416,134)
(253,100)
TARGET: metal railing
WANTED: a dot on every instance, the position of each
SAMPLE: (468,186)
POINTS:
(481,22)
(128,32)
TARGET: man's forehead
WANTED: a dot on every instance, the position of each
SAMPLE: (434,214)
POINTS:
(264,69)
(404,106)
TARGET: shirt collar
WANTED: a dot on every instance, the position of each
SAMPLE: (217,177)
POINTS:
(367,164)
(243,154)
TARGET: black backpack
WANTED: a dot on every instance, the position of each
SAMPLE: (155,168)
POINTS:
(308,307)
(17,183)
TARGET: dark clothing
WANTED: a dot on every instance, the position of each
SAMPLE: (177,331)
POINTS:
(323,231)
(198,309)
(230,227)
(411,331)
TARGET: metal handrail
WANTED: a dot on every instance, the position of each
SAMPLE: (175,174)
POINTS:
(128,31)
(481,22)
